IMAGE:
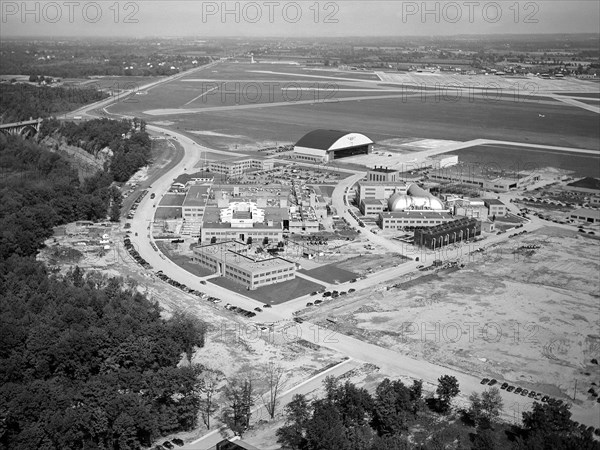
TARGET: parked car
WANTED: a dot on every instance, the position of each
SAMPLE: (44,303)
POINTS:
(504,386)
(492,382)
(518,390)
(524,392)
(266,305)
(257,309)
(485,381)
(298,320)
(532,394)
(545,398)
(309,304)
(351,290)
(510,389)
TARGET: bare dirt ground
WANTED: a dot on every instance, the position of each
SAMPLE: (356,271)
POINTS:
(529,318)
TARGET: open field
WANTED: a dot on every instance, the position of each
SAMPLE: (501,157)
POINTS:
(529,317)
(330,273)
(529,160)
(509,118)
(274,293)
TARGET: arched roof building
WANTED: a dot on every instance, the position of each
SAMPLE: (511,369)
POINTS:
(327,145)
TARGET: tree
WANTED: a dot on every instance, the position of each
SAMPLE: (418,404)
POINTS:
(209,380)
(213,240)
(297,415)
(239,394)
(485,409)
(265,240)
(274,375)
(392,402)
(447,389)
(325,430)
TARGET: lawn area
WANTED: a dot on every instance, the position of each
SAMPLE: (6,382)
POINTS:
(330,273)
(273,294)
(171,212)
(172,200)
(184,261)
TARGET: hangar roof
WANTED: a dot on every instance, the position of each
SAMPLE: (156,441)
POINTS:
(332,139)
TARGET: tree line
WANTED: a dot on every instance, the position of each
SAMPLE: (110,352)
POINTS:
(21,101)
(398,417)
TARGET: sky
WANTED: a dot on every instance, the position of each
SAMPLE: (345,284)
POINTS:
(310,18)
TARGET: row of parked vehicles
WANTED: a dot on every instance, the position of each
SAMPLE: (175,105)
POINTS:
(541,397)
(185,288)
(135,255)
(137,201)
(169,445)
(328,294)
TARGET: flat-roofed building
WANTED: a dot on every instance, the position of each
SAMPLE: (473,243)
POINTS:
(495,207)
(243,220)
(457,230)
(383,174)
(230,260)
(379,190)
(483,177)
(195,202)
(412,219)
(586,215)
(372,207)
(238,166)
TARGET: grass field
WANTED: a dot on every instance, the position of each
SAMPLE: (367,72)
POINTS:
(172,200)
(273,294)
(168,213)
(509,118)
(330,273)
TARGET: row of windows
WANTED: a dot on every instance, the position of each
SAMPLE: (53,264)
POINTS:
(410,222)
(269,280)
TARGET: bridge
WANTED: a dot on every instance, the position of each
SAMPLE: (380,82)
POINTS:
(25,128)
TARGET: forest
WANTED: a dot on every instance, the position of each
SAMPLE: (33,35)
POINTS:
(23,101)
(85,360)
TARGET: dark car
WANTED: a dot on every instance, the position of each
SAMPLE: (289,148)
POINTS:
(524,392)
(532,394)
(492,382)
(327,294)
(318,302)
(266,305)
(545,398)
(518,390)
(202,282)
(351,290)
(167,444)
(309,304)
(257,309)
(314,293)
(485,381)
(504,386)
(510,389)
(177,441)
(298,320)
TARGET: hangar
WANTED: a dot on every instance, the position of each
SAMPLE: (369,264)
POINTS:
(327,145)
